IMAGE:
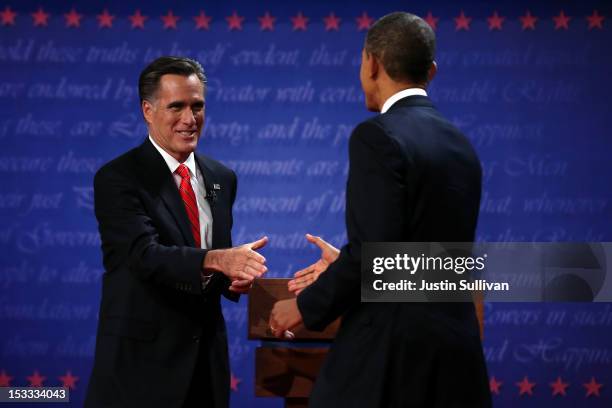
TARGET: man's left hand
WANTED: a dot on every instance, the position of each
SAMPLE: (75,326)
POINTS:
(285,315)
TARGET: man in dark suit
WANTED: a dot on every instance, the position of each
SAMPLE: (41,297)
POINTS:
(165,219)
(413,177)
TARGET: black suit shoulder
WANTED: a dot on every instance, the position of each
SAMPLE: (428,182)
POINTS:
(124,164)
(216,166)
(423,132)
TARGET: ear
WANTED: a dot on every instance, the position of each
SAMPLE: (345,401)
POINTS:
(433,70)
(374,66)
(147,111)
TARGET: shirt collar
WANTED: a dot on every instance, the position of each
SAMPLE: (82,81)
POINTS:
(172,162)
(400,95)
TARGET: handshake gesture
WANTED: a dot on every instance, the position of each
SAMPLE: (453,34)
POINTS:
(242,264)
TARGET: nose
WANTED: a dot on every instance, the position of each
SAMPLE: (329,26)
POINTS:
(188,117)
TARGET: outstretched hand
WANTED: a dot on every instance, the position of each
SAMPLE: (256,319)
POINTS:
(241,264)
(308,275)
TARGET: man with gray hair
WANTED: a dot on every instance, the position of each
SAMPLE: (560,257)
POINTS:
(413,177)
(165,218)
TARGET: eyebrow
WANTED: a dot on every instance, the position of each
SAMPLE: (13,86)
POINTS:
(180,104)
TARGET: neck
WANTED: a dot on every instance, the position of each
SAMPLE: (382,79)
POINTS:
(181,158)
(387,90)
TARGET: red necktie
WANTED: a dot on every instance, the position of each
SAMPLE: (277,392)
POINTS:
(191,205)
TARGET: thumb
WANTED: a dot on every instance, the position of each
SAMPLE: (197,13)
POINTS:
(260,243)
(318,241)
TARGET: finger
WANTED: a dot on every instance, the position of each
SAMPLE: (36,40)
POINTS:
(296,283)
(241,283)
(252,272)
(238,290)
(272,324)
(260,243)
(296,290)
(292,285)
(256,265)
(305,271)
(303,284)
(305,279)
(256,256)
(311,238)
(243,275)
(278,330)
(318,241)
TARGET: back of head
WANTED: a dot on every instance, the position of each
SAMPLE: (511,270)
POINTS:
(405,46)
(148,83)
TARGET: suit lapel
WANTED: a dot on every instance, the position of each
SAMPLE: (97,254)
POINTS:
(157,173)
(209,181)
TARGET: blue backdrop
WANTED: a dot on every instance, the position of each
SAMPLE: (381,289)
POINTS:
(528,83)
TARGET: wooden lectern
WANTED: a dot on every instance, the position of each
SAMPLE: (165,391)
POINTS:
(288,369)
(284,369)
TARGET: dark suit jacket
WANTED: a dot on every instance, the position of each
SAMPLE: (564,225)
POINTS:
(154,316)
(413,177)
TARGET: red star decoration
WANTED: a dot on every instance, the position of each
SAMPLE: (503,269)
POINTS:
(299,22)
(595,20)
(69,380)
(558,387)
(234,22)
(528,21)
(495,21)
(525,387)
(137,19)
(234,381)
(462,22)
(331,22)
(40,18)
(561,21)
(170,20)
(73,19)
(266,22)
(431,20)
(364,21)
(36,380)
(105,19)
(592,387)
(494,385)
(5,379)
(8,16)
(202,21)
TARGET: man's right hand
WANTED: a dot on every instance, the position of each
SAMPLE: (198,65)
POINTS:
(240,263)
(308,275)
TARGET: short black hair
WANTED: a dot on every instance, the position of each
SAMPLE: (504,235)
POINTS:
(148,83)
(404,44)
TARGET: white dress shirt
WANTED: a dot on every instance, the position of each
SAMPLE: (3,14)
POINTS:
(197,183)
(400,95)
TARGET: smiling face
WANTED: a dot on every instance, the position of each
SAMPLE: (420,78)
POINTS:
(176,115)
